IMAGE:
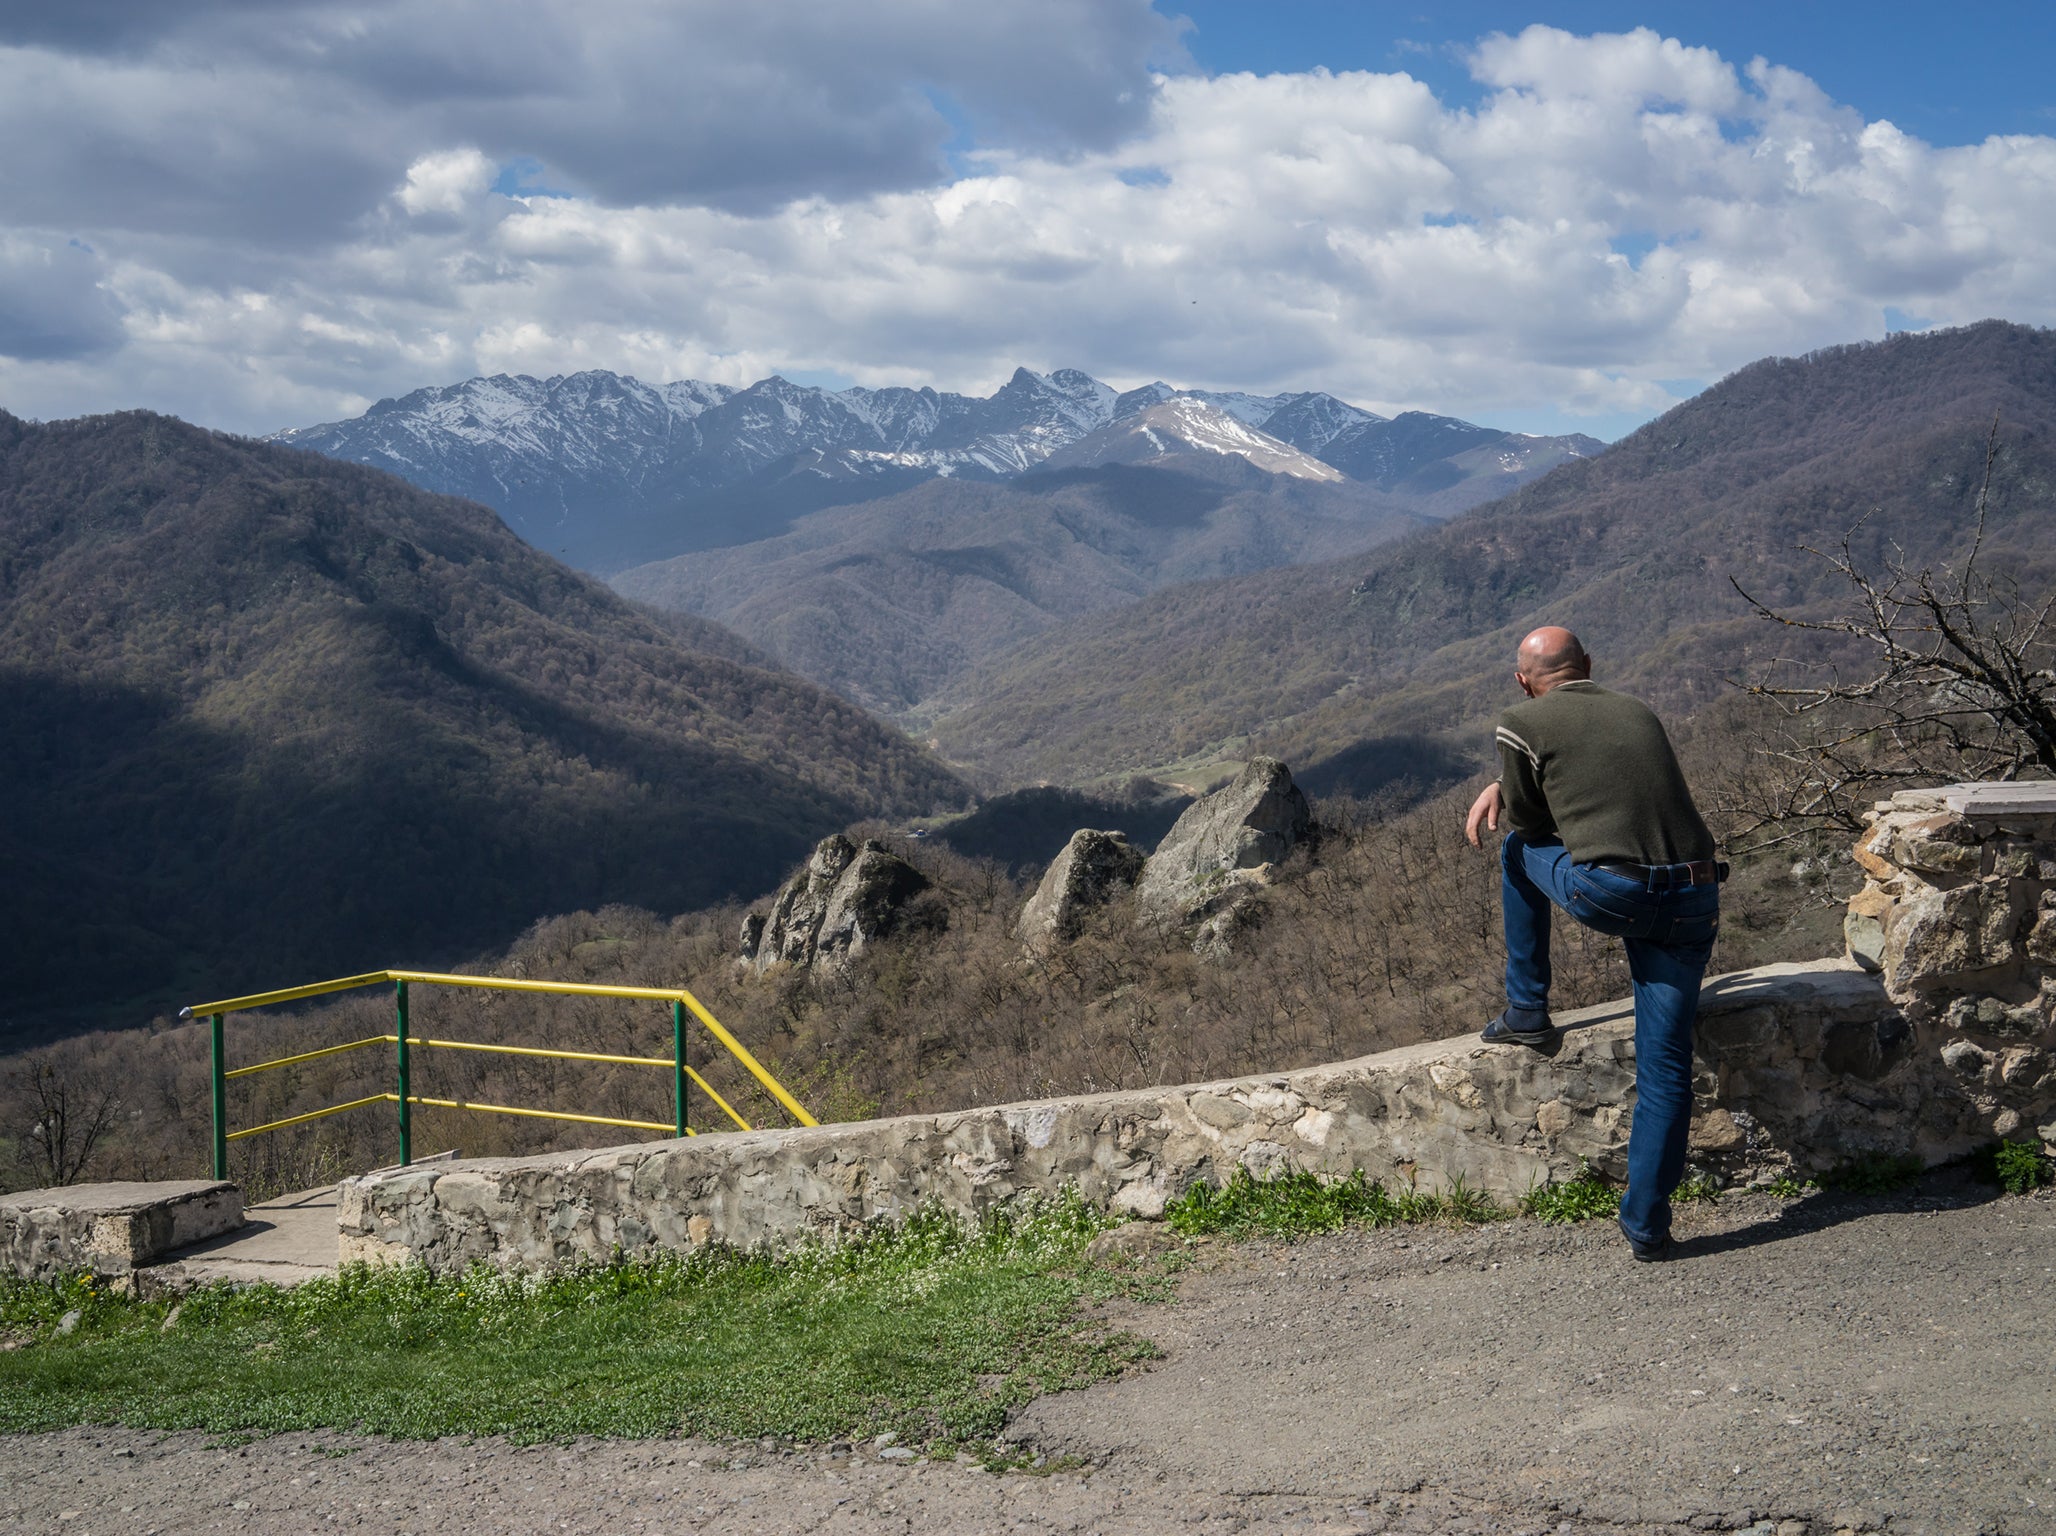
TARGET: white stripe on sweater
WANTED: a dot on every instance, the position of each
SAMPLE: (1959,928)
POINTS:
(1507,738)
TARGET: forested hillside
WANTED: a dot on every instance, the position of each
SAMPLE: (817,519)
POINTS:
(270,716)
(891,601)
(1357,668)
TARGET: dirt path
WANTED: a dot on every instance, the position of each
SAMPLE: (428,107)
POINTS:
(1848,1364)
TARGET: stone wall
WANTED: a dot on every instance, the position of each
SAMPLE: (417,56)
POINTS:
(1958,917)
(1933,1038)
(110,1229)
(1802,1067)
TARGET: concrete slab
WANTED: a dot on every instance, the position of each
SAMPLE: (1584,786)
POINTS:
(285,1241)
(111,1229)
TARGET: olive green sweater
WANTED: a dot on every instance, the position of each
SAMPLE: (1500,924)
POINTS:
(1594,768)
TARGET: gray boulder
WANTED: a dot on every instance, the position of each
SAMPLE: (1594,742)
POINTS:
(1227,919)
(1225,839)
(843,898)
(867,902)
(1092,867)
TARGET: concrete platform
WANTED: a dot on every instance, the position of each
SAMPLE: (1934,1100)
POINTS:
(285,1241)
(112,1229)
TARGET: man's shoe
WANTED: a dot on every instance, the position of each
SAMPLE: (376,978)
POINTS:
(1519,1026)
(1648,1253)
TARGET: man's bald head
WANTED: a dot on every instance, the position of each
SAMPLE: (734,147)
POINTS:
(1548,656)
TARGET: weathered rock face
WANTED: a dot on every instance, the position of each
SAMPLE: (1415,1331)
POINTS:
(845,897)
(1222,840)
(1959,917)
(1093,868)
(1800,1068)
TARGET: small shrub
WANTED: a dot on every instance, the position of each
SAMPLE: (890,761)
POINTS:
(2016,1166)
(1698,1189)
(1875,1174)
(1578,1199)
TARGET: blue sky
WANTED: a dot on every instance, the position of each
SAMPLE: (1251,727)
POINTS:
(267,213)
(1950,74)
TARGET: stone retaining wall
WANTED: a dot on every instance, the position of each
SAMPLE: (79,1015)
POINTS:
(110,1229)
(1802,1067)
(1932,1039)
(1958,916)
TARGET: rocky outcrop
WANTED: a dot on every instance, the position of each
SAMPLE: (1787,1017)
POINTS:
(1093,868)
(1958,916)
(1228,839)
(843,898)
(1801,1068)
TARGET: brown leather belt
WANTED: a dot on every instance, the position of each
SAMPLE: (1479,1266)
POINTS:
(1670,877)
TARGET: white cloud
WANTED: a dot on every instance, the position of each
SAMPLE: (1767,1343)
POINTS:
(1616,212)
(447,182)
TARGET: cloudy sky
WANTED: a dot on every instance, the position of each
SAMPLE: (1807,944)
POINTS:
(265,213)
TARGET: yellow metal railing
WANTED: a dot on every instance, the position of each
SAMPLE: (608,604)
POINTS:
(682,1002)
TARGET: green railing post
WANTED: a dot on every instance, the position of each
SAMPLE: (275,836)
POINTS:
(678,1063)
(406,1087)
(220,1098)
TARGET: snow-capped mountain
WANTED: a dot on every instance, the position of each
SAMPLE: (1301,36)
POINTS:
(608,471)
(1184,425)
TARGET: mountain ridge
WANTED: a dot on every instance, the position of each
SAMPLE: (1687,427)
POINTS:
(1400,655)
(610,472)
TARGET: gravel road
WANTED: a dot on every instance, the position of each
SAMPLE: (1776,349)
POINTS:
(1883,1364)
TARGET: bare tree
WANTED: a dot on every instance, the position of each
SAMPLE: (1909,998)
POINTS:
(73,1110)
(1955,680)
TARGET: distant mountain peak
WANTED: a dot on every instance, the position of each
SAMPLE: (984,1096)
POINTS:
(1179,426)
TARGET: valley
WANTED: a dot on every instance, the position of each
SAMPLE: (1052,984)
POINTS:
(291,716)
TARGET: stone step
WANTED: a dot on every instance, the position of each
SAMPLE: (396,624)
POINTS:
(114,1229)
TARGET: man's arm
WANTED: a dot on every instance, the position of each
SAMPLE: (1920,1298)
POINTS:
(1521,799)
(1484,811)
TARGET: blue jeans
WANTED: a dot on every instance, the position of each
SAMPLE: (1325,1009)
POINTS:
(1669,936)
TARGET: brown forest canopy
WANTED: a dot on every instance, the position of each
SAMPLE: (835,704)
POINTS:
(270,717)
(1400,655)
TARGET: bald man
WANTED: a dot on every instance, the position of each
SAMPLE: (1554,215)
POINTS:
(1602,824)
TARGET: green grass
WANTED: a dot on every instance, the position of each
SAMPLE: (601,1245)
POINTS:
(1699,1189)
(1579,1199)
(934,1330)
(1299,1204)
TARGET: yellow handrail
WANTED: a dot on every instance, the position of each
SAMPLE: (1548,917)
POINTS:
(542,1114)
(286,995)
(537,1050)
(314,1114)
(678,997)
(326,1050)
(510,984)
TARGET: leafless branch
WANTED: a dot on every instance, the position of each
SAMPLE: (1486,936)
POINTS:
(1960,683)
